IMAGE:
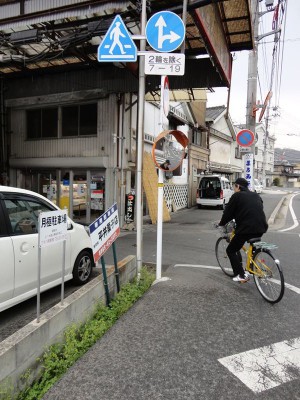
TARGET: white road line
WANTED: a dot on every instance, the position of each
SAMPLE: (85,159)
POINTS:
(296,223)
(196,266)
(287,285)
(266,367)
(291,287)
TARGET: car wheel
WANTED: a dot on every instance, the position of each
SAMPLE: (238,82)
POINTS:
(199,206)
(83,267)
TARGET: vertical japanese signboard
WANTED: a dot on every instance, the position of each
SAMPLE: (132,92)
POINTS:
(104,231)
(129,207)
(53,226)
(248,168)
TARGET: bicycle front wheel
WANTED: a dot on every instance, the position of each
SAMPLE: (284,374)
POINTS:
(222,257)
(268,276)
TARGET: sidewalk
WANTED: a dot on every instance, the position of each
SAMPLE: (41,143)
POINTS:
(167,346)
(160,349)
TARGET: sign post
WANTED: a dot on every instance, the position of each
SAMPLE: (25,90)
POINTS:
(165,32)
(169,145)
(245,139)
(248,168)
(103,233)
(53,227)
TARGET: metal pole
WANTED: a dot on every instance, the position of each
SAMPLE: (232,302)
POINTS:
(184,12)
(116,267)
(63,273)
(252,79)
(105,283)
(38,294)
(140,144)
(160,196)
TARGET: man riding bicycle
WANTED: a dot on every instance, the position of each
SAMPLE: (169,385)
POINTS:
(246,208)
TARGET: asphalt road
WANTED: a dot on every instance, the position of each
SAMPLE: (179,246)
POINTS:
(187,238)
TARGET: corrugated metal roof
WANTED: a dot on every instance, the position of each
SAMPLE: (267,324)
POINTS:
(61,32)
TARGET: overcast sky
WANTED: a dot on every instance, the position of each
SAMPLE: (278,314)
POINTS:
(289,99)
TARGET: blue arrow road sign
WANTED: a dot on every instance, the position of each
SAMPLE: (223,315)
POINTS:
(165,31)
(117,45)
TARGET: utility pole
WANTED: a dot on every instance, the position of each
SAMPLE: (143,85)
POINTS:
(253,74)
(252,80)
(140,145)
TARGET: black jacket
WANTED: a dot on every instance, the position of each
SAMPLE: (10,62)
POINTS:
(246,208)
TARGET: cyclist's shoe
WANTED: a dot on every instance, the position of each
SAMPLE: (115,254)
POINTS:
(241,279)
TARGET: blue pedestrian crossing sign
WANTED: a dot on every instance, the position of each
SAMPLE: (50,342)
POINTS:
(165,31)
(117,44)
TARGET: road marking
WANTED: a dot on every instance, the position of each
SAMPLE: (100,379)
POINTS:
(291,287)
(266,367)
(196,266)
(296,223)
(287,285)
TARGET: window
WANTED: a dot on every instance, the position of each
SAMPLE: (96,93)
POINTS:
(23,215)
(42,123)
(238,153)
(79,120)
(197,138)
(70,121)
(88,119)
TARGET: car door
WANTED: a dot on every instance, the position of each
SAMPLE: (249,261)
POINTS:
(23,214)
(7,266)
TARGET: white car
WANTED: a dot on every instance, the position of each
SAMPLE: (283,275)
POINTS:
(19,211)
(257,186)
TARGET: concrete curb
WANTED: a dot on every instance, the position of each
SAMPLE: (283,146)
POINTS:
(21,351)
(273,216)
(280,211)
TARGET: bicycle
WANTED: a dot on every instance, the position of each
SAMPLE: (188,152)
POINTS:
(260,263)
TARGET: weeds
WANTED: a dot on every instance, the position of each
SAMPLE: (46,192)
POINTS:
(78,339)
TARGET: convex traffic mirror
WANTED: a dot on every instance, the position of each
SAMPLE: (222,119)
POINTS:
(168,150)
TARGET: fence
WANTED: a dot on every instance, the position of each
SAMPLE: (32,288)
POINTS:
(176,196)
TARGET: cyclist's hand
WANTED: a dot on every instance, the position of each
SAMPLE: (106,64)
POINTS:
(216,224)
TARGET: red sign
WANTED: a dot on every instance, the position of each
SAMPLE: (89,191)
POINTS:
(245,138)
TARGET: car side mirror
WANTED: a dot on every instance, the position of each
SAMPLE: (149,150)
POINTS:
(69,225)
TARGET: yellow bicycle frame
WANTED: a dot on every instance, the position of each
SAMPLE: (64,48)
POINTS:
(249,251)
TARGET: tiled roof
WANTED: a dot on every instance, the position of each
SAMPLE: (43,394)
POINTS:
(212,113)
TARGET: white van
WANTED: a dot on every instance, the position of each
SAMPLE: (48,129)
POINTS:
(213,190)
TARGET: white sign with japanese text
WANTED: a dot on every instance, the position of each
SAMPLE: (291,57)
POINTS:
(248,168)
(53,227)
(104,231)
(164,63)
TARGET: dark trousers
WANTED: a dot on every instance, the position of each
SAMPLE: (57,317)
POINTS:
(234,254)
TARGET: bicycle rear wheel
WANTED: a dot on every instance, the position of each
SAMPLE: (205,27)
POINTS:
(268,276)
(222,257)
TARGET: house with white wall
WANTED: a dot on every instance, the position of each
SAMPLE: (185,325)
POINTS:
(224,158)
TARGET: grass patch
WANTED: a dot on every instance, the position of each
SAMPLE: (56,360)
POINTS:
(78,339)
